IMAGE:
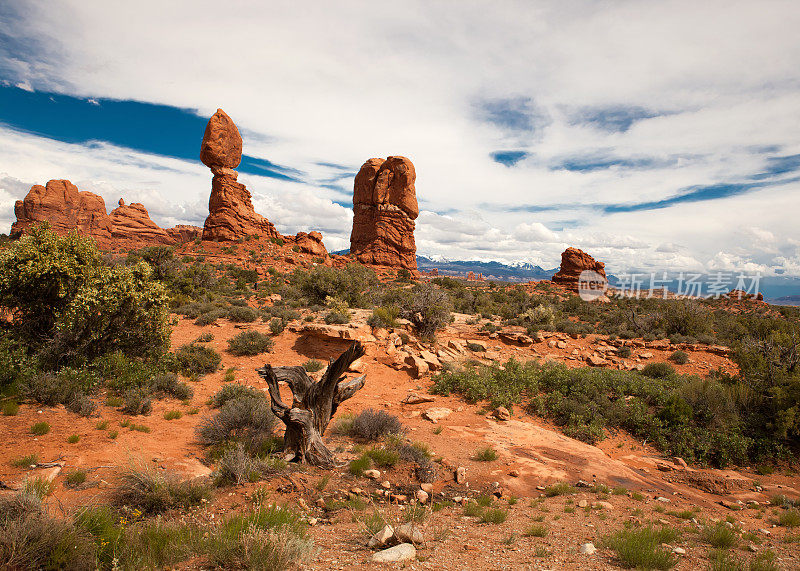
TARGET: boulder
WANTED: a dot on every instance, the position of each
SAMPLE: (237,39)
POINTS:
(222,142)
(311,243)
(384,210)
(573,262)
(402,552)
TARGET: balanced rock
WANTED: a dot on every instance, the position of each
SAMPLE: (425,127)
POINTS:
(222,142)
(230,208)
(384,210)
(573,262)
(311,243)
(66,209)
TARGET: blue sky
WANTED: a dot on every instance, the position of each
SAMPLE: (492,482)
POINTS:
(654,136)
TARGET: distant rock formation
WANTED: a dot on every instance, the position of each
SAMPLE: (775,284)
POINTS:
(384,210)
(230,209)
(573,262)
(311,243)
(66,209)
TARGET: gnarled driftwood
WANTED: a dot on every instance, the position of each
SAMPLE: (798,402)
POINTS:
(313,406)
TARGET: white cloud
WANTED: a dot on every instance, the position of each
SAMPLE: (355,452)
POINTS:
(340,85)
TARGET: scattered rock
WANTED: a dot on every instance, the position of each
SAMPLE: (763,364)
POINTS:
(461,475)
(501,413)
(663,499)
(588,549)
(426,487)
(409,533)
(436,414)
(381,538)
(402,552)
(414,398)
(422,496)
(679,551)
(372,474)
(583,503)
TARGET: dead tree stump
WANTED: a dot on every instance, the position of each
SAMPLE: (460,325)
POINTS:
(313,406)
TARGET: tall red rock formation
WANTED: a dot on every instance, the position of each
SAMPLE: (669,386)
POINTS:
(66,208)
(230,209)
(573,262)
(311,243)
(384,210)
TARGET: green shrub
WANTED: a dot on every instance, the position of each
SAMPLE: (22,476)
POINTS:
(719,535)
(247,420)
(312,365)
(372,425)
(234,391)
(475,347)
(10,408)
(384,317)
(40,428)
(137,401)
(679,357)
(350,284)
(155,492)
(248,343)
(205,338)
(428,308)
(487,454)
(172,415)
(789,518)
(641,548)
(74,438)
(74,478)
(536,530)
(71,307)
(658,370)
(495,516)
(276,326)
(25,461)
(242,314)
(197,360)
(559,489)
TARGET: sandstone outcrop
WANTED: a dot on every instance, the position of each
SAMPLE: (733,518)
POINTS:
(230,208)
(66,208)
(384,210)
(132,222)
(573,262)
(311,243)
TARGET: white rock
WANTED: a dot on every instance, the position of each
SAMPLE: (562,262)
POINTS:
(679,551)
(402,552)
(409,533)
(381,538)
(583,504)
(422,496)
(588,549)
(461,475)
(372,474)
(436,414)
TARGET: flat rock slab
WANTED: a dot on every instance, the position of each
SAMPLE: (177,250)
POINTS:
(436,414)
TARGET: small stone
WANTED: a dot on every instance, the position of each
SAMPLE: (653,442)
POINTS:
(381,538)
(436,414)
(679,551)
(426,488)
(582,484)
(409,533)
(663,466)
(422,496)
(663,499)
(604,505)
(320,502)
(588,549)
(501,413)
(372,474)
(514,473)
(386,484)
(457,499)
(398,498)
(765,531)
(312,521)
(541,488)
(356,491)
(402,552)
(414,398)
(680,462)
(583,504)
(752,548)
(461,475)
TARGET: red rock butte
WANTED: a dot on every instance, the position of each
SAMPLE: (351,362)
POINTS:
(66,208)
(230,208)
(384,210)
(573,262)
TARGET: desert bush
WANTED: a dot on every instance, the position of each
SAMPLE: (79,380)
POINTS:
(10,408)
(196,360)
(679,357)
(248,343)
(276,326)
(789,518)
(641,548)
(486,454)
(350,284)
(81,405)
(428,308)
(312,365)
(237,466)
(384,317)
(156,492)
(205,338)
(242,314)
(372,425)
(719,535)
(246,419)
(70,307)
(210,317)
(40,428)
(234,391)
(168,384)
(74,478)
(136,402)
(494,515)
(336,318)
(658,370)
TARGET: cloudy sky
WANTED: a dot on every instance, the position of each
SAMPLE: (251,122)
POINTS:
(654,135)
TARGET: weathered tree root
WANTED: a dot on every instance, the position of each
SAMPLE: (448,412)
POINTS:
(313,406)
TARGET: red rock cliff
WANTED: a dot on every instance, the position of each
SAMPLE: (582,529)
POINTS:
(384,210)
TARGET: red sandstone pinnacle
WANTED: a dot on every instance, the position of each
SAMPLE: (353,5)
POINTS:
(573,262)
(384,210)
(222,143)
(132,222)
(311,243)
